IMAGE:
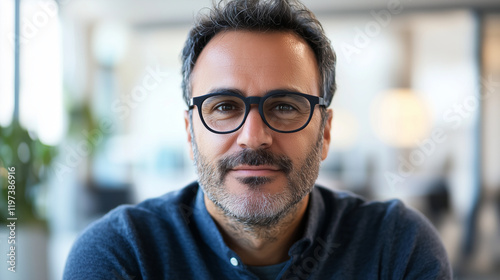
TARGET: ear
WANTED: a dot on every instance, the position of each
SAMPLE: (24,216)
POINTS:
(327,134)
(188,132)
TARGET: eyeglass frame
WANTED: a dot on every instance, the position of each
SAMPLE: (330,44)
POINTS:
(313,101)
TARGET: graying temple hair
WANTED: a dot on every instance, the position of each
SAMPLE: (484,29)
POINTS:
(270,15)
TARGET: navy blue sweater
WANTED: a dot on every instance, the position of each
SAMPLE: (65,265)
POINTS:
(174,237)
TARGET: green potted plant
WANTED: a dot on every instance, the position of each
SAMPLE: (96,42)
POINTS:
(28,161)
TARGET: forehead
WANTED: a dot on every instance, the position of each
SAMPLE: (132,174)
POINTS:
(255,63)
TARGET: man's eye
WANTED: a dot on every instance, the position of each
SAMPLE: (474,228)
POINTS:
(225,107)
(284,108)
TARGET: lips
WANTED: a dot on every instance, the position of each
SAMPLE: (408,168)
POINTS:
(256,167)
(258,170)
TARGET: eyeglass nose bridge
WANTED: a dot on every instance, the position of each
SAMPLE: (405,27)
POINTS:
(249,101)
(253,100)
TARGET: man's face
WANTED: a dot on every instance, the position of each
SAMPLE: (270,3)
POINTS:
(255,174)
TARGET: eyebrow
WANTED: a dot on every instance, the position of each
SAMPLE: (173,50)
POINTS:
(239,92)
(226,90)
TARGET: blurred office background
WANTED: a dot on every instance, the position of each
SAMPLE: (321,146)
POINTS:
(91,116)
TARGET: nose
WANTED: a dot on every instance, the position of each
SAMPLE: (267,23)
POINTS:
(254,134)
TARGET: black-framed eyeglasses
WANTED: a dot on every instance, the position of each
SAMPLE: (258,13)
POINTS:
(282,111)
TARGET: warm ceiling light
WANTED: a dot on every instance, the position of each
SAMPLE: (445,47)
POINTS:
(400,118)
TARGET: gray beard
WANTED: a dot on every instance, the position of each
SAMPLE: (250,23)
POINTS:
(258,210)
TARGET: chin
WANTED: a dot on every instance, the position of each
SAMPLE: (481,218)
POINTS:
(257,207)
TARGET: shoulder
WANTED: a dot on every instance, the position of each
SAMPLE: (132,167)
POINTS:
(116,242)
(167,208)
(391,212)
(346,204)
(401,238)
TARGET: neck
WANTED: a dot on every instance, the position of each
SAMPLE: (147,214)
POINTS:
(259,246)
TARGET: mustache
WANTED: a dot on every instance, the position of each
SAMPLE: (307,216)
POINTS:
(254,158)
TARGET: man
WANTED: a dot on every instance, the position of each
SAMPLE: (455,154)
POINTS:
(258,78)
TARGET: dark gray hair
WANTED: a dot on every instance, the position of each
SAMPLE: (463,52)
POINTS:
(256,15)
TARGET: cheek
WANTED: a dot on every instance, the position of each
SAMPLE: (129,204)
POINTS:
(295,146)
(210,145)
(299,149)
(300,146)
